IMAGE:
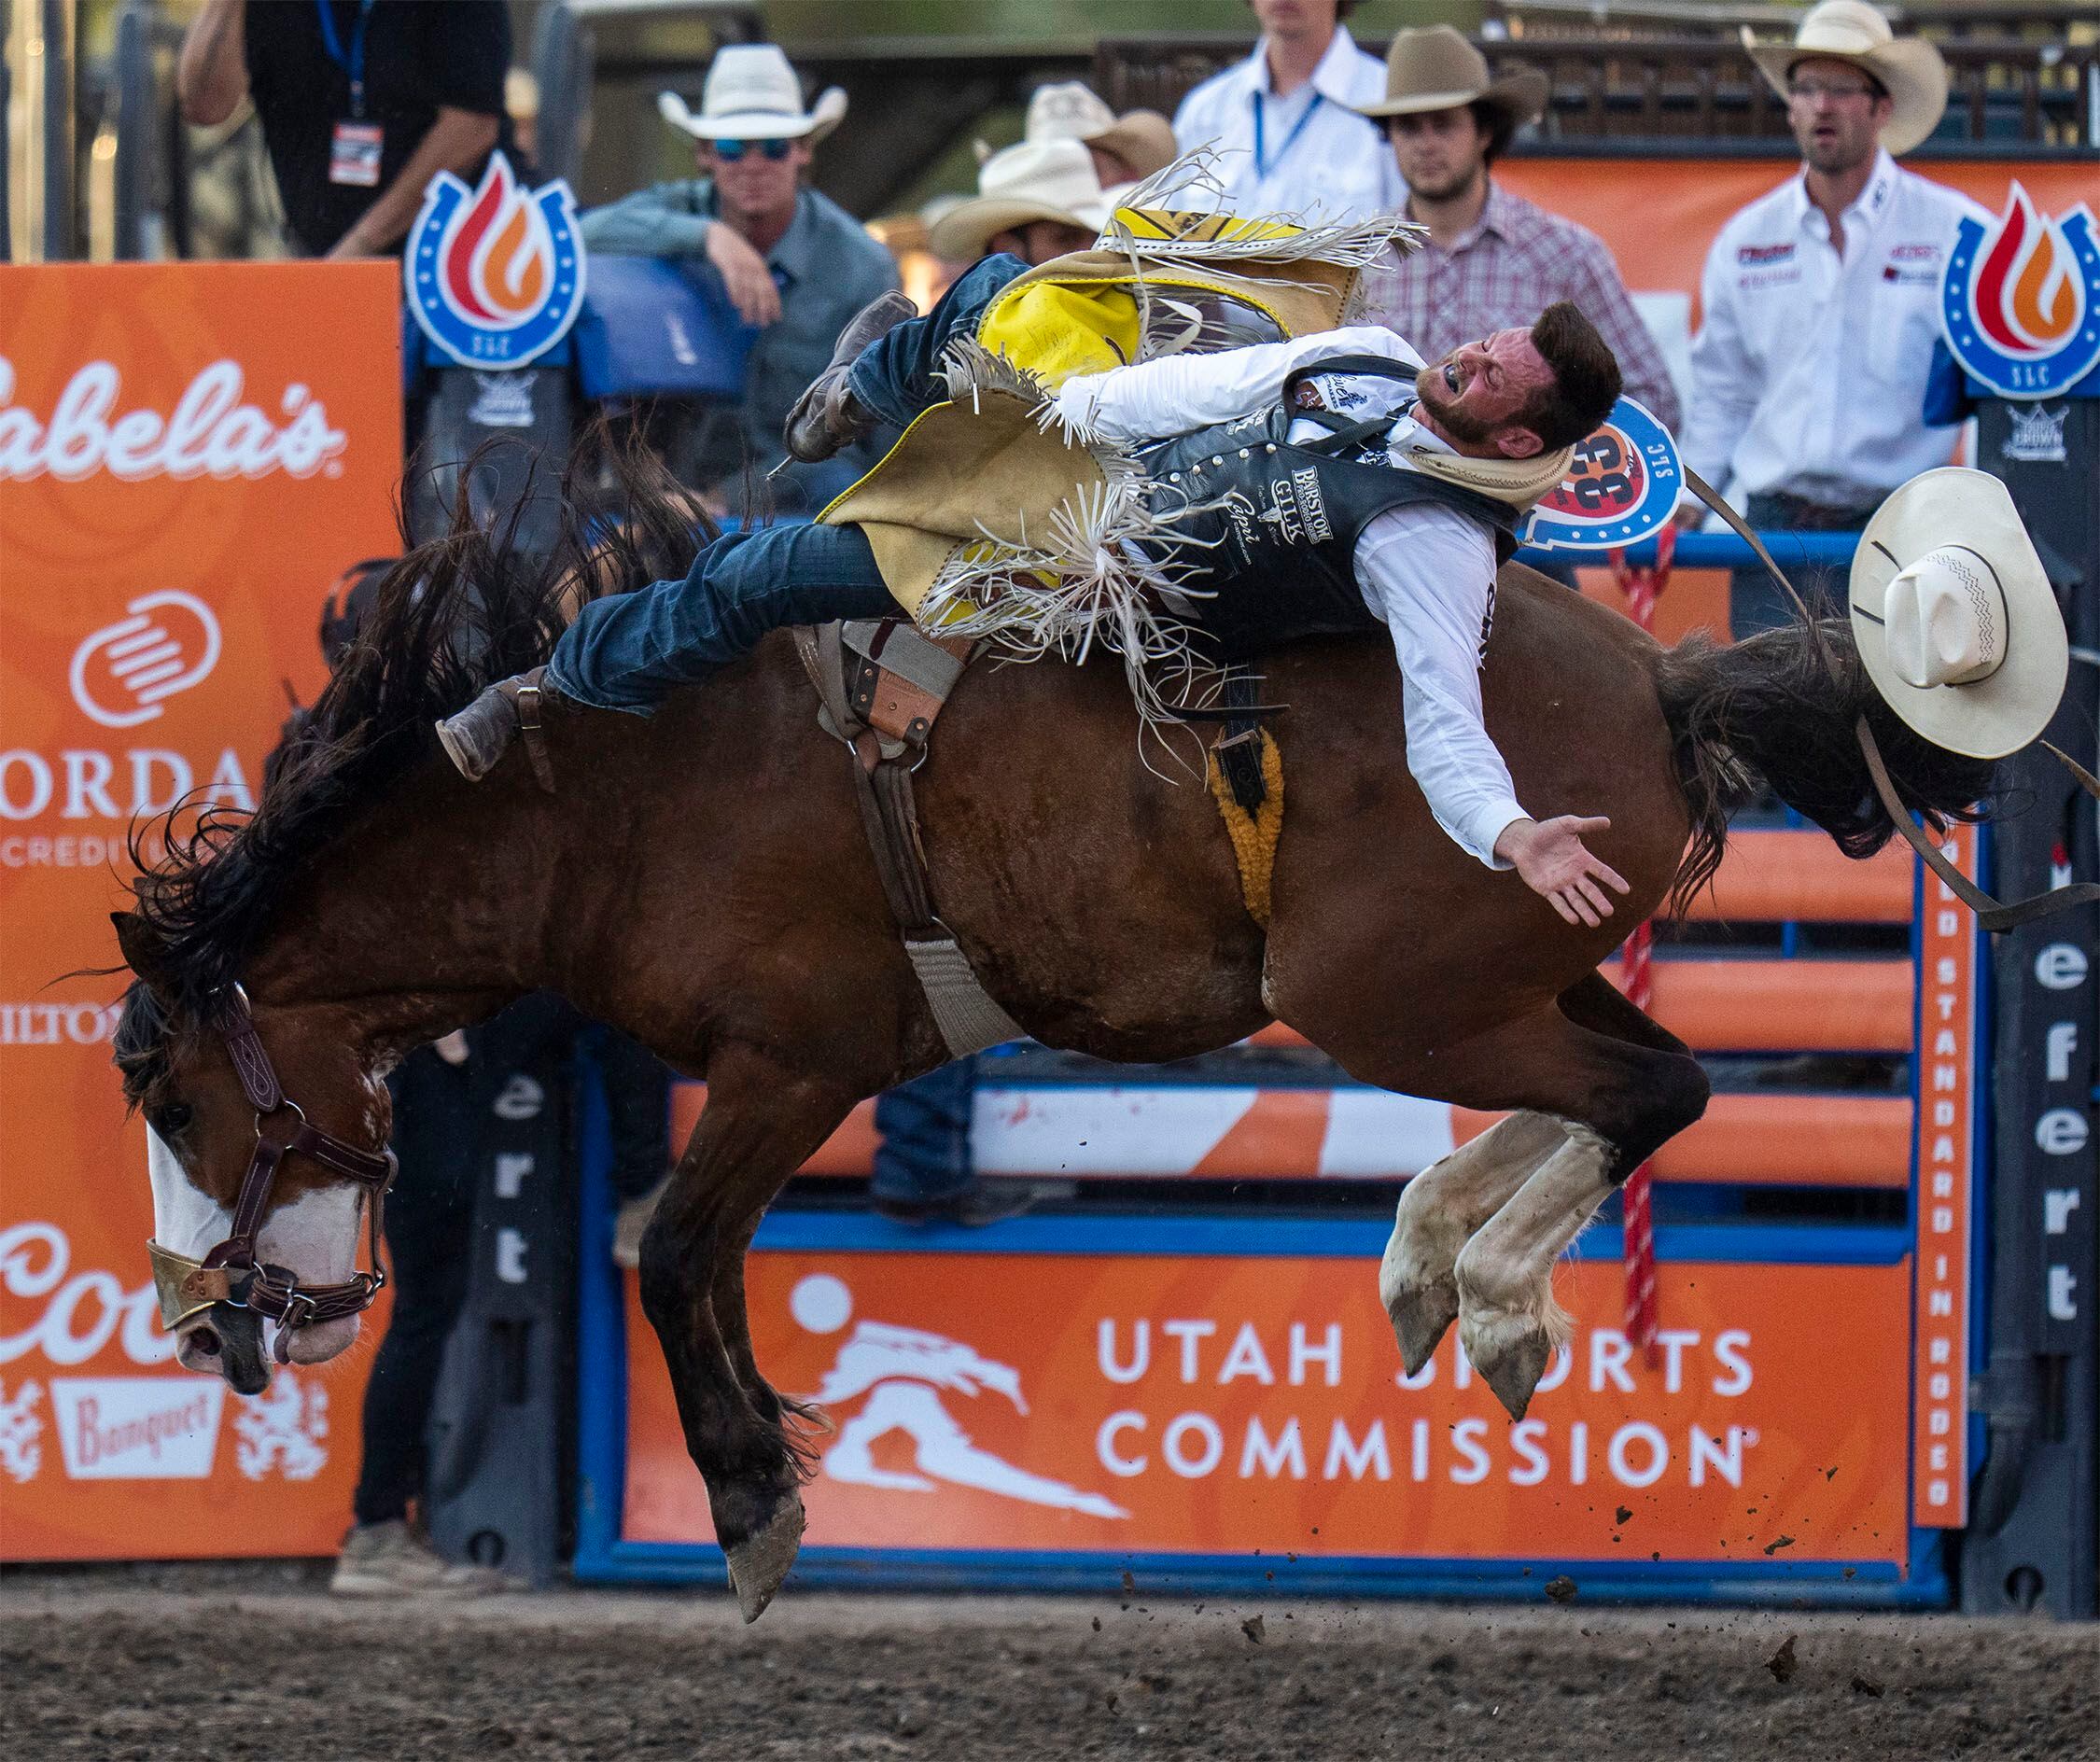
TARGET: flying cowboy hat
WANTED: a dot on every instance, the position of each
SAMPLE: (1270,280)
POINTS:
(1909,68)
(1954,617)
(1435,68)
(753,94)
(1141,139)
(1033,180)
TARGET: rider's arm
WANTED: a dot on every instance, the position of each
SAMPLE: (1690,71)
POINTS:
(1180,392)
(1428,571)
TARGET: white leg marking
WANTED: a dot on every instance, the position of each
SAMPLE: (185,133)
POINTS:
(1508,1319)
(1439,1209)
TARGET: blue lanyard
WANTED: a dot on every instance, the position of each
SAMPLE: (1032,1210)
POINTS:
(1262,167)
(354,64)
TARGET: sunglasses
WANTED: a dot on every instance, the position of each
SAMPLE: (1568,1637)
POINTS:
(731,151)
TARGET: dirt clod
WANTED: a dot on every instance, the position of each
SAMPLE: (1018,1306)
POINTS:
(1253,1628)
(1560,1587)
(1782,1663)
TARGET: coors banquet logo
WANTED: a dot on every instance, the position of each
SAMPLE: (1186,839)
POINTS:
(211,431)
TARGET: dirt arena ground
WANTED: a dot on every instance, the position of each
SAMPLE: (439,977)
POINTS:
(189,1663)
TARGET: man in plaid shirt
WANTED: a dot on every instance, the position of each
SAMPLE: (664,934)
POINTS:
(1492,260)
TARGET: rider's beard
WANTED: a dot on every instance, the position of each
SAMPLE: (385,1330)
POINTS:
(1459,424)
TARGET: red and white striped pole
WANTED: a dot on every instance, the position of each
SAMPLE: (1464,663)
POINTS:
(1641,588)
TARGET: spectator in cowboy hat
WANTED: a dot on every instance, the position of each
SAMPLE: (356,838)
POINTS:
(1491,260)
(1286,117)
(1820,300)
(1036,200)
(793,263)
(1126,148)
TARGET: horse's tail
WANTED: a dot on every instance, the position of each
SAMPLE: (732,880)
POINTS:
(1778,709)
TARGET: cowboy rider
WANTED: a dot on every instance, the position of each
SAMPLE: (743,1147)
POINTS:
(1401,540)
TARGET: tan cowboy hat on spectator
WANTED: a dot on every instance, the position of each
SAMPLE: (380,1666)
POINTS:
(1954,617)
(753,94)
(1435,68)
(1073,110)
(1033,180)
(1908,67)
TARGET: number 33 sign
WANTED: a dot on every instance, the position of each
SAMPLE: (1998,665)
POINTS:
(1621,486)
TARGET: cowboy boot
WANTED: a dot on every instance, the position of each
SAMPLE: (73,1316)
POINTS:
(826,417)
(476,737)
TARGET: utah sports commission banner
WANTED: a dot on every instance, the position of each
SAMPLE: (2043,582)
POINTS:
(190,455)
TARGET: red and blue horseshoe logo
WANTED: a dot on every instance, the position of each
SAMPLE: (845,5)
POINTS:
(495,274)
(2020,301)
(1621,487)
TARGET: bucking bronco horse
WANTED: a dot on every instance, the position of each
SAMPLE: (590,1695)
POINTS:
(701,880)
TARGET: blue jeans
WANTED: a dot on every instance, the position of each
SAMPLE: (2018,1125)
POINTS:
(629,652)
(924,1155)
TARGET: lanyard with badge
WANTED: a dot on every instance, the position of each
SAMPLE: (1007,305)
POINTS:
(1262,166)
(353,153)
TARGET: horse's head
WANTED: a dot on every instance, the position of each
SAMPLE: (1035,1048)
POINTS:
(266,1141)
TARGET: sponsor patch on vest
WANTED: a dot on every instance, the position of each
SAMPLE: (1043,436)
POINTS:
(1758,256)
(1283,511)
(1312,508)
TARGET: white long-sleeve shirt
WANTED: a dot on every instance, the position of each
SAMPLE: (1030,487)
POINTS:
(1808,370)
(1425,571)
(1308,154)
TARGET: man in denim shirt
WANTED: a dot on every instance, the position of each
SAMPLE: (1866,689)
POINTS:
(794,264)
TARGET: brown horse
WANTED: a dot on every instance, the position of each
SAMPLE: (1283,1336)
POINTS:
(700,879)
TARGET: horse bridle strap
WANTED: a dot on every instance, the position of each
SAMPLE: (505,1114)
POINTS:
(232,1273)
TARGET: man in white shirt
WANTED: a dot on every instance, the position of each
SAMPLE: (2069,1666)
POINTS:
(1316,486)
(1285,119)
(1821,299)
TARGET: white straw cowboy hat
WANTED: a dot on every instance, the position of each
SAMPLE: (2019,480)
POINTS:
(1073,111)
(1435,68)
(1908,67)
(1954,616)
(753,94)
(1033,180)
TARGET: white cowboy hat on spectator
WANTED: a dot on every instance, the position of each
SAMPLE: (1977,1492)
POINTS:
(1908,67)
(1435,68)
(1956,620)
(1073,111)
(1033,180)
(753,94)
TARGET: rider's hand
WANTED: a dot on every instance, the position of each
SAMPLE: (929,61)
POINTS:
(1554,863)
(745,274)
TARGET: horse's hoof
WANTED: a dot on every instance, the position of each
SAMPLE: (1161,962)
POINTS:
(758,1564)
(1421,1314)
(1511,1351)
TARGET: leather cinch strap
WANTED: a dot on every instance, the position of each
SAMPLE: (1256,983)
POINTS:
(1989,912)
(912,676)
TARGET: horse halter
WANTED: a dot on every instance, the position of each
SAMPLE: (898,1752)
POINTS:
(231,1273)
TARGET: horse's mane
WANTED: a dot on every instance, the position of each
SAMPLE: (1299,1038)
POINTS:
(452,616)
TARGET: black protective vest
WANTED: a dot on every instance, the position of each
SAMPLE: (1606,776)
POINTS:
(1278,555)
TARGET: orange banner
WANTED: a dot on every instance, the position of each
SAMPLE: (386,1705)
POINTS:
(190,455)
(1658,216)
(1213,1404)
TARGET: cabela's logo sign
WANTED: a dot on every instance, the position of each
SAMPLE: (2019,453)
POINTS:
(1621,486)
(2021,302)
(495,275)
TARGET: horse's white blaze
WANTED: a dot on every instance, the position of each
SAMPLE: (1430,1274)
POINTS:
(186,1219)
(316,1237)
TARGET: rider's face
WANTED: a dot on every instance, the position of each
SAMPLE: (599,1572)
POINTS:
(1476,391)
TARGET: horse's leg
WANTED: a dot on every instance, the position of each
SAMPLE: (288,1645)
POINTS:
(1439,1210)
(763,1120)
(1642,1088)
